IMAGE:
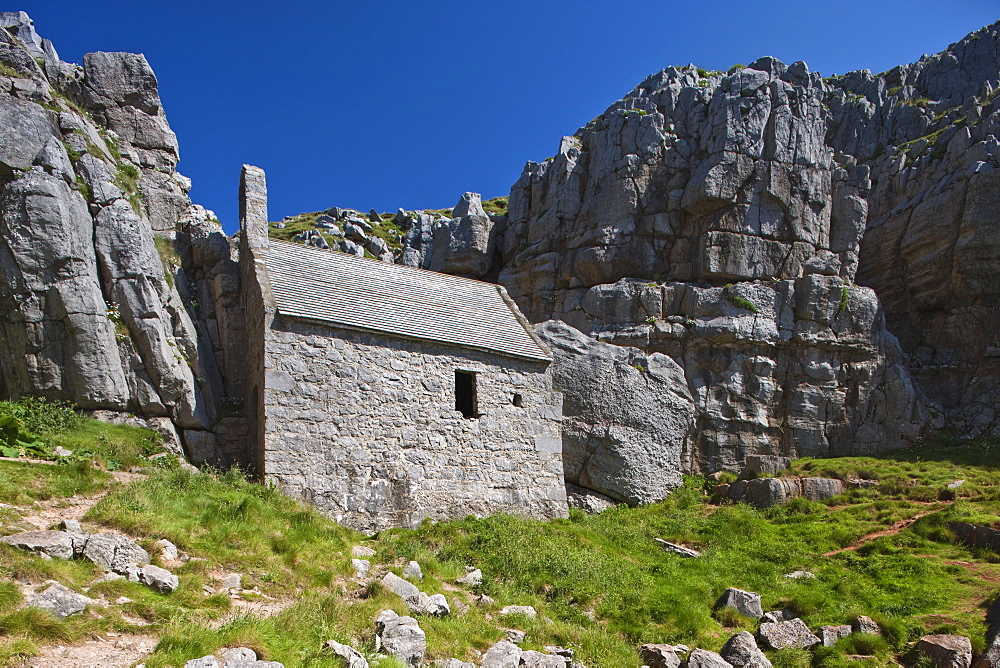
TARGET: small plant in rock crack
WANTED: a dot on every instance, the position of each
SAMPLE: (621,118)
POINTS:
(115,316)
(742,302)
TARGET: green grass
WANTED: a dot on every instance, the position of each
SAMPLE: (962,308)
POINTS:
(275,541)
(738,300)
(169,258)
(600,583)
(8,71)
(22,483)
(387,230)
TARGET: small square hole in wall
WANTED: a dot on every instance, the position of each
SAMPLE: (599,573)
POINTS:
(465,394)
(517,400)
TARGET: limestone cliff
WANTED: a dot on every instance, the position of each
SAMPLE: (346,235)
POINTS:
(100,311)
(722,218)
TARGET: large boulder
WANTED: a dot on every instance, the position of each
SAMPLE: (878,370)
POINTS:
(630,449)
(57,544)
(947,651)
(789,633)
(464,245)
(741,651)
(401,637)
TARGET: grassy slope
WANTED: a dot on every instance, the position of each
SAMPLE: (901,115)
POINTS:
(600,583)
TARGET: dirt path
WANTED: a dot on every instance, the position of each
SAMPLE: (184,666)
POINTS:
(890,530)
(116,649)
(110,649)
(43,514)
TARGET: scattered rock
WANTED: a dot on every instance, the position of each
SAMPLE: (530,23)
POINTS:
(747,603)
(412,571)
(232,581)
(526,610)
(677,549)
(158,578)
(782,615)
(798,575)
(659,656)
(204,662)
(238,655)
(702,658)
(361,567)
(504,654)
(436,605)
(472,578)
(362,551)
(947,651)
(956,484)
(831,634)
(867,625)
(741,651)
(167,550)
(516,636)
(791,633)
(58,544)
(533,659)
(453,663)
(114,552)
(60,451)
(485,601)
(60,601)
(400,587)
(350,656)
(401,637)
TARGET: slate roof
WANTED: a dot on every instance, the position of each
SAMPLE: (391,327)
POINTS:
(362,293)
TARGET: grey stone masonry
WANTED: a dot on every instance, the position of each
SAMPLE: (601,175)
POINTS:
(364,427)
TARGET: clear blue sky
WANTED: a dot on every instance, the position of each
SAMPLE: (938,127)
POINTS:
(382,104)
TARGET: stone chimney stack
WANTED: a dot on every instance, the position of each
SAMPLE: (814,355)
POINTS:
(253,207)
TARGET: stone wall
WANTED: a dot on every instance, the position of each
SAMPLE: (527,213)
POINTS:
(363,427)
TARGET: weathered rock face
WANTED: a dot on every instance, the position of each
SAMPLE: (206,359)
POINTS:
(629,448)
(464,244)
(794,367)
(97,313)
(781,182)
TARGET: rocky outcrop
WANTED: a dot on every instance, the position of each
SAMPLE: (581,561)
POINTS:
(465,244)
(779,182)
(101,312)
(707,219)
(769,492)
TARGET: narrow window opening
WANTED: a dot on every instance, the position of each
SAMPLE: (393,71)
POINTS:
(465,393)
(517,400)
